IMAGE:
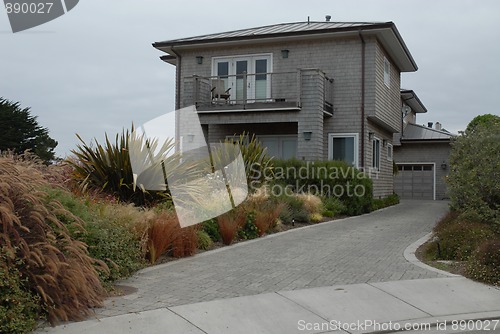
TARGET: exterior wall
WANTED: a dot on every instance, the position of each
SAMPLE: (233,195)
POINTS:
(383,180)
(338,58)
(436,152)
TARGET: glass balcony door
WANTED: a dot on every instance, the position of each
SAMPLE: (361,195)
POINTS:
(247,76)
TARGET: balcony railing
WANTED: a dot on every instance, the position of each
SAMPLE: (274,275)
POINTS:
(252,91)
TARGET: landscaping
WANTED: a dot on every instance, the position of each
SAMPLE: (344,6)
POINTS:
(467,239)
(71,229)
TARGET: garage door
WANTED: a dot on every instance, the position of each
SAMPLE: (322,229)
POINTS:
(415,181)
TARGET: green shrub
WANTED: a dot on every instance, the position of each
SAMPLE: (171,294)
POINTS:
(474,165)
(125,225)
(19,307)
(380,203)
(333,207)
(212,229)
(327,179)
(293,209)
(484,265)
(204,240)
(458,241)
(249,230)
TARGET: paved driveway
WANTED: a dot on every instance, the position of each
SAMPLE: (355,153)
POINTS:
(362,249)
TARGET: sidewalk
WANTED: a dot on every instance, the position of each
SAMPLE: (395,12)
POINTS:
(359,308)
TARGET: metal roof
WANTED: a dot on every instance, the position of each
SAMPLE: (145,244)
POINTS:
(385,32)
(415,132)
(275,29)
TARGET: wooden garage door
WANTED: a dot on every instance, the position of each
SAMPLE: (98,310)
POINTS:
(415,181)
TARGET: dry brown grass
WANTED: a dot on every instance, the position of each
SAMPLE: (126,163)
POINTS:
(163,230)
(229,224)
(266,216)
(58,267)
(312,203)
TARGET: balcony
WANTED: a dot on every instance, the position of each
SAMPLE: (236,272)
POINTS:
(276,91)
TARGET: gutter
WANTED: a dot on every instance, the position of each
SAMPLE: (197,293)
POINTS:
(363,52)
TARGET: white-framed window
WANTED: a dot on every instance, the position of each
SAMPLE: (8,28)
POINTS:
(376,153)
(387,72)
(343,146)
(389,152)
(252,69)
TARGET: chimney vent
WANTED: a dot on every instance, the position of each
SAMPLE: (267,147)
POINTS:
(328,18)
(438,126)
(429,124)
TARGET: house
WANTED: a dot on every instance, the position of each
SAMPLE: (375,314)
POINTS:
(309,90)
(421,154)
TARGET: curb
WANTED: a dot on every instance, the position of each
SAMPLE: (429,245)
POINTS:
(409,254)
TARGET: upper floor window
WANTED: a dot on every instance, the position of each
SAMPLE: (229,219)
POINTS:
(248,76)
(387,72)
(389,152)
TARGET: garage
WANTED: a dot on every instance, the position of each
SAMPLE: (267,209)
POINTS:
(415,181)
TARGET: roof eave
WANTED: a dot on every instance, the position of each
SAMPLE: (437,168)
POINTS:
(387,34)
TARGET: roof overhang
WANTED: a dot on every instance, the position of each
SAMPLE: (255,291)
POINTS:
(383,124)
(410,98)
(386,33)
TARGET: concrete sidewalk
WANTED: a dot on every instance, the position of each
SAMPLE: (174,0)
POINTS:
(355,308)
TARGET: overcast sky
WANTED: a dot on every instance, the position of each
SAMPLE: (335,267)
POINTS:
(94,70)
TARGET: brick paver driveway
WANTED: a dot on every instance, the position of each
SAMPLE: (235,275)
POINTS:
(362,249)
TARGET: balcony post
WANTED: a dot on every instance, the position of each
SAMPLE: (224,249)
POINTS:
(245,79)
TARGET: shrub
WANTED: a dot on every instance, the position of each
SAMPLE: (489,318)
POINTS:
(333,207)
(292,209)
(458,241)
(204,240)
(229,224)
(57,267)
(212,229)
(19,307)
(186,242)
(266,216)
(316,218)
(108,168)
(473,176)
(327,179)
(162,232)
(249,230)
(311,203)
(381,203)
(484,265)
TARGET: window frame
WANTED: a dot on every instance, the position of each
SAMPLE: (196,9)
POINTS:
(387,72)
(390,148)
(354,135)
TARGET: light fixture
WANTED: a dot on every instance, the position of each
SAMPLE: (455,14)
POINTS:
(370,135)
(307,135)
(199,59)
(284,53)
(443,165)
(190,138)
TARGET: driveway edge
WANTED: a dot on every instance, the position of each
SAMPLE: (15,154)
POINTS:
(409,254)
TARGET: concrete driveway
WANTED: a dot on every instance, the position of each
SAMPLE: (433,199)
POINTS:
(363,249)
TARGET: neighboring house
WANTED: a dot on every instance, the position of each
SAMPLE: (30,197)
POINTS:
(309,90)
(421,154)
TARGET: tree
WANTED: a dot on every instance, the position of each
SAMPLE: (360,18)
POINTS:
(482,120)
(20,131)
(475,170)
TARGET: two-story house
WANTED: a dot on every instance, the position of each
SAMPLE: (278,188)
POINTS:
(309,90)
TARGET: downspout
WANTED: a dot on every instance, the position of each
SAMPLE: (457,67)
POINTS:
(177,97)
(363,51)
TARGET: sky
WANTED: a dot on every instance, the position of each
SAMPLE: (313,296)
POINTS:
(93,70)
